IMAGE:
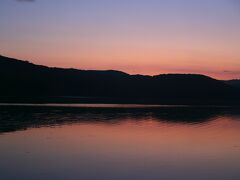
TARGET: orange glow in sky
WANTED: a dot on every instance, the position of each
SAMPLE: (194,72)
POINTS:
(138,37)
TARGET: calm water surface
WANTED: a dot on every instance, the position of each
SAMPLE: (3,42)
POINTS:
(175,143)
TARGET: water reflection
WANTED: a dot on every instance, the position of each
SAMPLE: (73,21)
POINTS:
(174,143)
(24,117)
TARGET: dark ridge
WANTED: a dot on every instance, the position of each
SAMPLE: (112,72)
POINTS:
(234,83)
(23,81)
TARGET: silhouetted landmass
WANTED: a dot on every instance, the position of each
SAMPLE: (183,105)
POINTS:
(22,81)
(234,83)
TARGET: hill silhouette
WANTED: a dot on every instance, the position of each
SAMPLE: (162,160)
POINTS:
(21,80)
(234,83)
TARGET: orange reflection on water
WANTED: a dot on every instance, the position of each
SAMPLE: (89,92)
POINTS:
(134,146)
(146,137)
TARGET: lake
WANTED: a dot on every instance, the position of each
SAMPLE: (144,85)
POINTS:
(116,142)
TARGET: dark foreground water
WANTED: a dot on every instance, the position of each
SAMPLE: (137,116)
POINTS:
(119,142)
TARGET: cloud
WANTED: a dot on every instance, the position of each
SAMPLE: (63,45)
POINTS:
(25,0)
(231,72)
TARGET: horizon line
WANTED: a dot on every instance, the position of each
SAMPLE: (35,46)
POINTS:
(79,69)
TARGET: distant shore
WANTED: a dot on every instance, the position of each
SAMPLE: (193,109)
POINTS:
(103,100)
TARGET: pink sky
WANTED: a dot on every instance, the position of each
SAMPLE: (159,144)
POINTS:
(138,37)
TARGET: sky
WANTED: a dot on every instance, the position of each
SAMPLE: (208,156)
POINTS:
(135,36)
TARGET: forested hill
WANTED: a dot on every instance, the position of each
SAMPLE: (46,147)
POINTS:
(23,79)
